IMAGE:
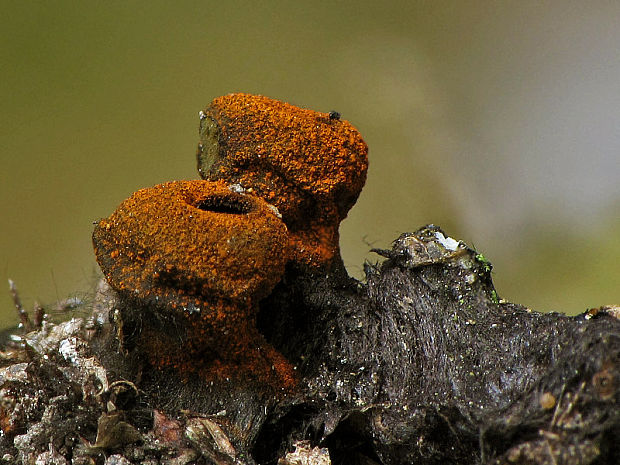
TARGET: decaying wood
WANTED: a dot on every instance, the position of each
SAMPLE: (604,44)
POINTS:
(421,363)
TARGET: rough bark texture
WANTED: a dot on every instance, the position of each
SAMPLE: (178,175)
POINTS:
(422,363)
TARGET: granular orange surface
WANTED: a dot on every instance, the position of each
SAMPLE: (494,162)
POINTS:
(193,258)
(198,253)
(192,240)
(310,166)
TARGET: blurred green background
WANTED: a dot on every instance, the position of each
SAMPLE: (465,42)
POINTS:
(499,121)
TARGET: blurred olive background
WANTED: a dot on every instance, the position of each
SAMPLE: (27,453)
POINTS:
(499,121)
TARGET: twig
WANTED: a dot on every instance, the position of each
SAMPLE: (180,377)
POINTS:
(23,314)
(39,315)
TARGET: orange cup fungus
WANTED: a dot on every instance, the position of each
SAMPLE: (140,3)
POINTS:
(199,257)
(310,165)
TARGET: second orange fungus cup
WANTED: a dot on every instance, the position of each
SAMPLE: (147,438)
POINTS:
(310,165)
(199,257)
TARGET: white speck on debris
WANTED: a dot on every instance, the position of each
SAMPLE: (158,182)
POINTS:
(447,242)
(275,210)
(68,350)
(304,454)
(238,188)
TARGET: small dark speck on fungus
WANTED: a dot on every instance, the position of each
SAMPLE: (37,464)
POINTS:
(334,115)
(199,255)
(298,160)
